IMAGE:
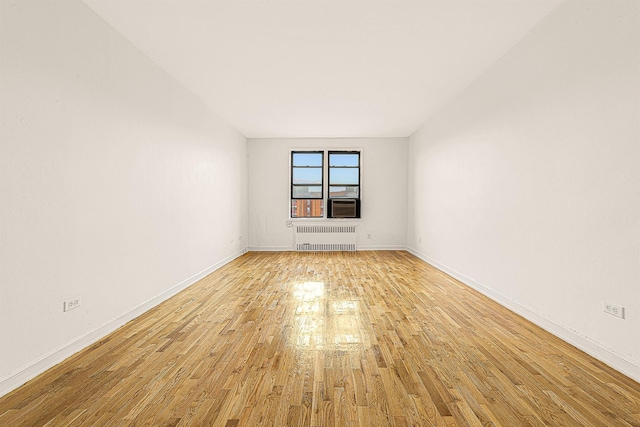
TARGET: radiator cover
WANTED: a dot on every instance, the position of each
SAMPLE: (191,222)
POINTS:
(322,238)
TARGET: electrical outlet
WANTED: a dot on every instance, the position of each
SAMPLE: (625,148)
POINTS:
(72,303)
(614,310)
(368,235)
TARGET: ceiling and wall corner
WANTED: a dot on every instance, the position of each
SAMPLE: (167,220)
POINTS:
(277,69)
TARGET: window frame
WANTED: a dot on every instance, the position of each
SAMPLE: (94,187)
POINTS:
(325,183)
(292,186)
(358,167)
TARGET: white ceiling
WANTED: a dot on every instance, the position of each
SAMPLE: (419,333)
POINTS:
(324,68)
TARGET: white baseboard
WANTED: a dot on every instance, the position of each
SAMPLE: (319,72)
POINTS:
(271,249)
(614,359)
(382,248)
(630,368)
(51,359)
(360,248)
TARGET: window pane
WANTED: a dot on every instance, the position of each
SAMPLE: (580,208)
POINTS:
(344,176)
(307,192)
(305,208)
(344,159)
(307,159)
(349,192)
(307,176)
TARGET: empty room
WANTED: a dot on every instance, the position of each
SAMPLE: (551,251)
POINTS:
(320,213)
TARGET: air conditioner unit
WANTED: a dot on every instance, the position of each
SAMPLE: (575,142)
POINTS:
(344,208)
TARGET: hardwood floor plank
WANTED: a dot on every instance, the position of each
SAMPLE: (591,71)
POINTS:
(374,338)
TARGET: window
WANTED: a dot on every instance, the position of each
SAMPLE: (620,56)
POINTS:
(308,192)
(344,174)
(307,177)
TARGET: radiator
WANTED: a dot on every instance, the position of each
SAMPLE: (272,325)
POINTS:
(325,237)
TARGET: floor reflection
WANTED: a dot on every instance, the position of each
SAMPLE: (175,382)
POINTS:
(309,317)
(345,317)
(323,321)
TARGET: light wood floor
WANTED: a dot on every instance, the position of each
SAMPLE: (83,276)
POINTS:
(317,339)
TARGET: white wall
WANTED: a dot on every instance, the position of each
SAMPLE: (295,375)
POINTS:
(116,184)
(527,186)
(383,187)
